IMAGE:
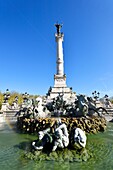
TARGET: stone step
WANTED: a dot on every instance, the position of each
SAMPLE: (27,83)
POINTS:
(11,119)
(10,115)
(110,111)
(109,107)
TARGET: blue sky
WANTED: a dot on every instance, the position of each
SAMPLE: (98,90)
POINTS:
(28,47)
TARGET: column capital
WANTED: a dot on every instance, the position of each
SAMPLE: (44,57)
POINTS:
(59,36)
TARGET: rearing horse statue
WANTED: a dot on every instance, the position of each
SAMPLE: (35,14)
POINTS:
(81,105)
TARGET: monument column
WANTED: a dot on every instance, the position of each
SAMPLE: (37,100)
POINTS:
(60,77)
(59,39)
(60,86)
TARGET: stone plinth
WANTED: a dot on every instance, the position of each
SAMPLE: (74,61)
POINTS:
(60,81)
(4,106)
(66,91)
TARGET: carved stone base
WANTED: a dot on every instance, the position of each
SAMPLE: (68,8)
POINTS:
(60,81)
(55,91)
(60,87)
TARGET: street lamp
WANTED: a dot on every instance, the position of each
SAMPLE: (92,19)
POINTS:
(106,96)
(25,97)
(6,96)
(95,95)
(106,100)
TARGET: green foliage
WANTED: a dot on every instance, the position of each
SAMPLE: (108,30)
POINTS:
(62,155)
(1,99)
(11,99)
(112,101)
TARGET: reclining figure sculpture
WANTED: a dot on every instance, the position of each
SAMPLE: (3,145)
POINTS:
(59,139)
(44,138)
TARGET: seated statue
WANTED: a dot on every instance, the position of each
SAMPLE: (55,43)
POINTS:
(44,138)
(61,137)
(79,138)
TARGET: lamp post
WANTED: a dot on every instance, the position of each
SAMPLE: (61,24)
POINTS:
(5,104)
(95,96)
(106,100)
(6,96)
(25,97)
(106,96)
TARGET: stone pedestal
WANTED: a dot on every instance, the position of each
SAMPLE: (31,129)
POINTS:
(60,81)
(65,91)
(60,87)
(4,106)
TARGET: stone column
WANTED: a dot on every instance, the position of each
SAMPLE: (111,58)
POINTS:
(60,66)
